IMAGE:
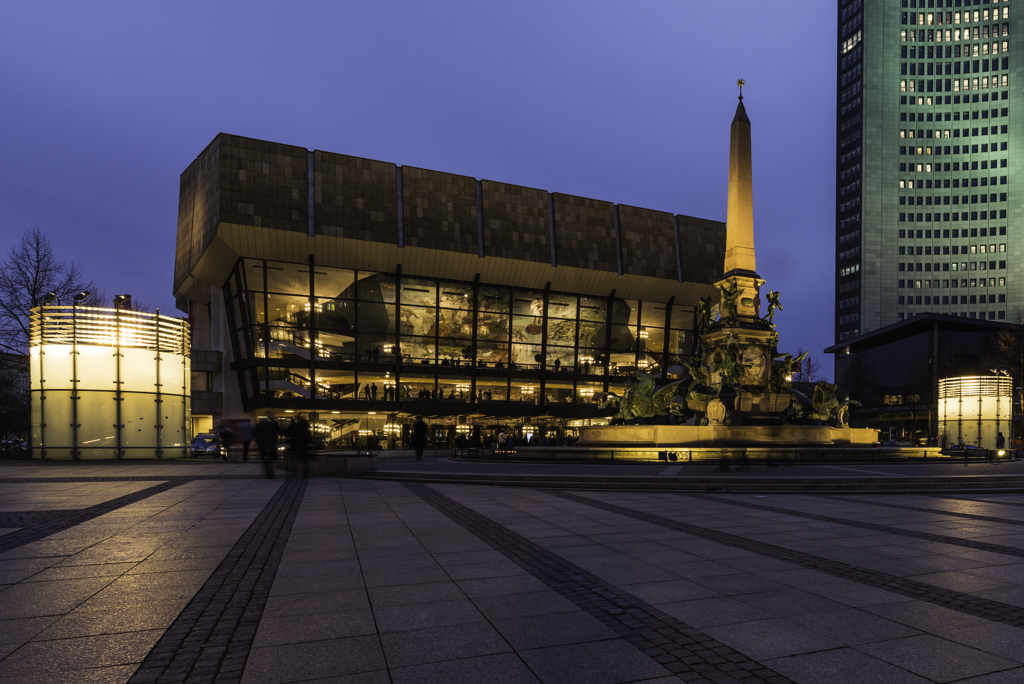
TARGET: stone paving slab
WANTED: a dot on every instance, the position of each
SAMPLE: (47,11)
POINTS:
(376,581)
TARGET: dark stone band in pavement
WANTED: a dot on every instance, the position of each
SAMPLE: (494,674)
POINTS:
(876,527)
(58,523)
(12,519)
(968,604)
(923,509)
(211,639)
(686,652)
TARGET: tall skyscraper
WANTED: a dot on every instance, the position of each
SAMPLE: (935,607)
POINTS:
(928,161)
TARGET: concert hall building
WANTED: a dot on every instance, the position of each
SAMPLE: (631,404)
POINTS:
(360,294)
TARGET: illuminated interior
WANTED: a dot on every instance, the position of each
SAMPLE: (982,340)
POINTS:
(108,384)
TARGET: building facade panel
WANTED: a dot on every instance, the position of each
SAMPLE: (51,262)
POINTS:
(648,242)
(585,233)
(439,210)
(355,198)
(700,249)
(517,224)
(263,184)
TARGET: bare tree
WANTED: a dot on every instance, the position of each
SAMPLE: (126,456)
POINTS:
(1009,352)
(30,272)
(858,380)
(808,370)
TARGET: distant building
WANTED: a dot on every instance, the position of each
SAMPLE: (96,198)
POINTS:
(359,293)
(929,138)
(895,371)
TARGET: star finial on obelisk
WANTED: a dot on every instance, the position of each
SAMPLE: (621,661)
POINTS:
(741,83)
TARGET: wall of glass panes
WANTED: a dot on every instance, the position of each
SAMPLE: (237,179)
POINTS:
(108,384)
(331,333)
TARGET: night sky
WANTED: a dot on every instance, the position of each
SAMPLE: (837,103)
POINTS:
(103,106)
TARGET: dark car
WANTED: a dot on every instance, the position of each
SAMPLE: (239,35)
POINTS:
(205,445)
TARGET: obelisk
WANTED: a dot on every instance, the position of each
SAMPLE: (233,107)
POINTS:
(740,268)
(739,235)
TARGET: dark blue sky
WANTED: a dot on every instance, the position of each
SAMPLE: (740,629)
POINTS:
(105,104)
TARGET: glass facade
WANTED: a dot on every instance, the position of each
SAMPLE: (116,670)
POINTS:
(926,100)
(313,338)
(108,384)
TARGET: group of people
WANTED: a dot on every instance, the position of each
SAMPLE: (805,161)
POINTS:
(299,437)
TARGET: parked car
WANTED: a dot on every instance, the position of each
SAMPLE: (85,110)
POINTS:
(206,445)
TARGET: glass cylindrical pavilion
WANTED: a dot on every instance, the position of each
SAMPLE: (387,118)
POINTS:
(109,383)
(974,410)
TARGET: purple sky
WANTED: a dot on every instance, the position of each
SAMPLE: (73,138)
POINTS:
(105,104)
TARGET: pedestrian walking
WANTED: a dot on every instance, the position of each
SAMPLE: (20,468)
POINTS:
(227,438)
(245,437)
(299,437)
(266,441)
(419,437)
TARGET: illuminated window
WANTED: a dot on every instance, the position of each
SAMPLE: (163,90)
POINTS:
(956,20)
(910,134)
(977,16)
(974,249)
(981,249)
(1002,248)
(945,134)
(928,167)
(920,150)
(956,85)
(1006,46)
(984,15)
(975,48)
(920,168)
(1006,80)
(984,49)
(956,34)
(903,87)
(902,184)
(984,81)
(1002,282)
(931,18)
(974,83)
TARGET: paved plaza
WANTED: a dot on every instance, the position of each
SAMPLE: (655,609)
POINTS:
(205,572)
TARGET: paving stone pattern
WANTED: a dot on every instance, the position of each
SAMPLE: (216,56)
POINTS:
(53,524)
(955,600)
(687,652)
(886,529)
(211,639)
(923,509)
